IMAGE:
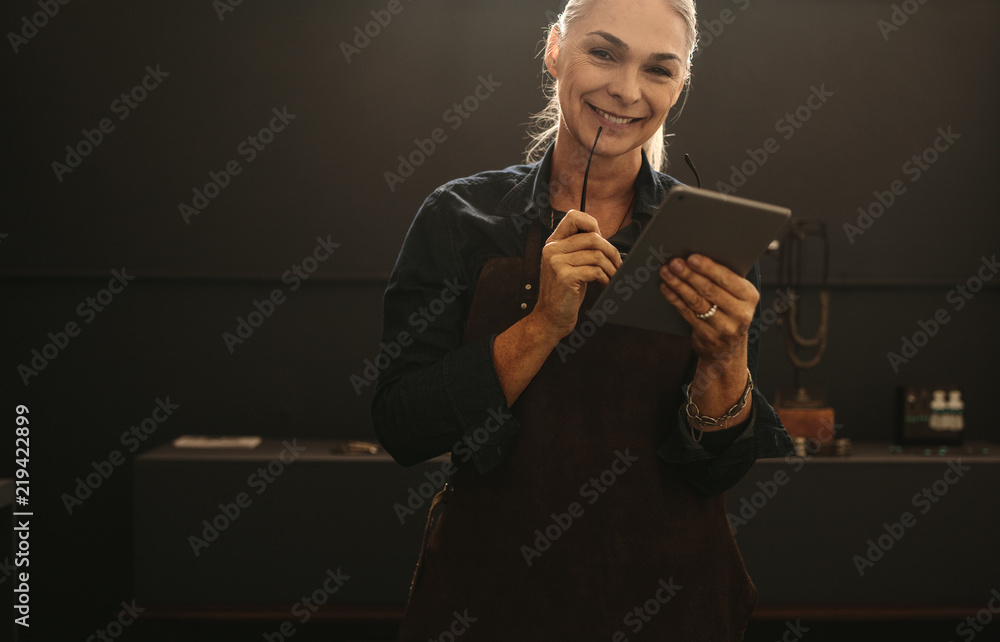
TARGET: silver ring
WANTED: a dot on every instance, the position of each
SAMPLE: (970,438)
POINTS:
(708,314)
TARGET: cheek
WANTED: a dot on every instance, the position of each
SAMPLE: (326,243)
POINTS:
(582,78)
(662,98)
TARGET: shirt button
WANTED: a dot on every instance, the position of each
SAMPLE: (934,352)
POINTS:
(524,306)
(527,286)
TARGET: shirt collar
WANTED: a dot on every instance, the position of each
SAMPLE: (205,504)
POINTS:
(530,197)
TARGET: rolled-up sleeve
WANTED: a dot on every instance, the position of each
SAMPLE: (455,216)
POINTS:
(434,394)
(720,459)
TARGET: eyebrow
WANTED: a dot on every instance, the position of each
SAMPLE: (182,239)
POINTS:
(618,42)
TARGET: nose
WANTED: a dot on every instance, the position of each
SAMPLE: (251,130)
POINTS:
(624,86)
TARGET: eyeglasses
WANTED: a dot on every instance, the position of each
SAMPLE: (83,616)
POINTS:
(586,175)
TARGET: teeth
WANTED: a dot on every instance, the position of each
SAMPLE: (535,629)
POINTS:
(613,119)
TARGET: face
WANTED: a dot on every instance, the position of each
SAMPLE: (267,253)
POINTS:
(621,66)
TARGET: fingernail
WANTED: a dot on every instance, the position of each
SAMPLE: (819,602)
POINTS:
(694,260)
(677,265)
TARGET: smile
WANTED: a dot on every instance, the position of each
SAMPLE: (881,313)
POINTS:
(611,118)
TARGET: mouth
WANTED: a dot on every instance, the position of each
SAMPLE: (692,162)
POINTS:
(614,119)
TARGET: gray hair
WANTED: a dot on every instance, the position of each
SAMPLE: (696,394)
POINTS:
(545,124)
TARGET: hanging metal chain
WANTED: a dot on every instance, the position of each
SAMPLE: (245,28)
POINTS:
(795,341)
(788,269)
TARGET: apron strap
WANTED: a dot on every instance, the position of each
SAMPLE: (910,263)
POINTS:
(532,268)
(439,499)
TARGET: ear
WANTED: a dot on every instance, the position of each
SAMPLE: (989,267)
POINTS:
(552,51)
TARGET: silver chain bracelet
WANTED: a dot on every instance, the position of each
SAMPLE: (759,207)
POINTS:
(694,414)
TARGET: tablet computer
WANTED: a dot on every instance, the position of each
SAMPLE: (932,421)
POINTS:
(730,230)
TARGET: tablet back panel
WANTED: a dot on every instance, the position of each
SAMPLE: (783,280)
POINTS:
(731,230)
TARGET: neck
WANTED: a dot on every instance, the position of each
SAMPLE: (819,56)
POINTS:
(610,183)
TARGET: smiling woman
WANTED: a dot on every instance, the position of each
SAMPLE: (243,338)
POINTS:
(547,122)
(534,537)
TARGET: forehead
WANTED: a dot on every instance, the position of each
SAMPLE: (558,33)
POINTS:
(646,26)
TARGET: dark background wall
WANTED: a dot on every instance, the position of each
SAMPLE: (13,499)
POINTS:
(223,72)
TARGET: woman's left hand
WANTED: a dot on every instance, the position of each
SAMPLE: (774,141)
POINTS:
(698,285)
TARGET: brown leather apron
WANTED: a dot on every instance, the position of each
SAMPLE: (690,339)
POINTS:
(582,531)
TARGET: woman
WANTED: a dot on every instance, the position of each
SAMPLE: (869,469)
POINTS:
(586,499)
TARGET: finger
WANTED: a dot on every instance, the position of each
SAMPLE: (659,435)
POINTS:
(589,241)
(585,258)
(720,285)
(698,292)
(583,241)
(574,221)
(688,310)
(715,282)
(711,329)
(583,228)
(722,277)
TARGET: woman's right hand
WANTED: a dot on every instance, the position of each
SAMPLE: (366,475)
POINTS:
(574,255)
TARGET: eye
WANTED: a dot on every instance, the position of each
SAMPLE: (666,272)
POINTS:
(603,54)
(660,71)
